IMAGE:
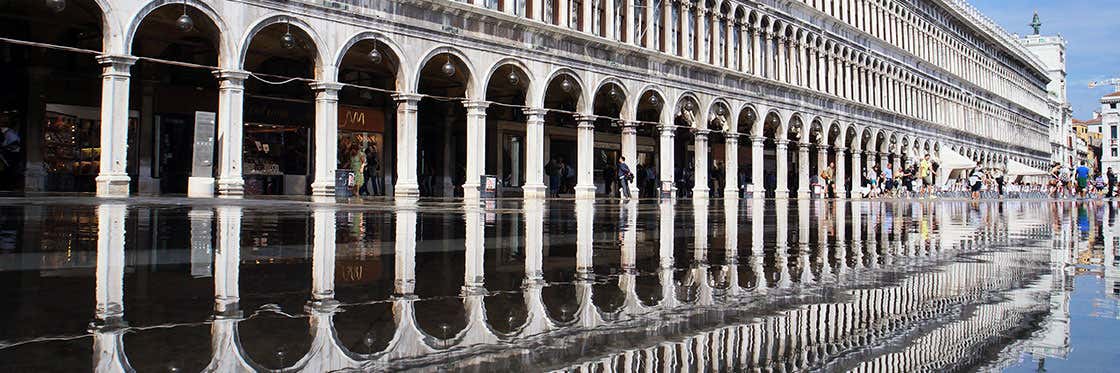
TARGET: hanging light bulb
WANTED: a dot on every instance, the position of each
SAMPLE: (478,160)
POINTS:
(653,99)
(288,41)
(613,92)
(56,5)
(184,23)
(448,68)
(688,105)
(513,78)
(375,55)
(566,86)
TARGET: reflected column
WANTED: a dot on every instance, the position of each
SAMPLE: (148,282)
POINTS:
(803,170)
(224,344)
(781,242)
(699,268)
(857,174)
(108,326)
(731,245)
(324,244)
(758,229)
(202,241)
(404,248)
(627,280)
(537,320)
(585,215)
(803,241)
(473,273)
(666,235)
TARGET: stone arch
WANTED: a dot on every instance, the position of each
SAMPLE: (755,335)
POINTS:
(714,108)
(748,116)
(610,80)
(649,90)
(275,18)
(472,77)
(575,78)
(404,70)
(225,46)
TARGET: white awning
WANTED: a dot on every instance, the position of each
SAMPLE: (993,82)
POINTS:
(1016,168)
(952,165)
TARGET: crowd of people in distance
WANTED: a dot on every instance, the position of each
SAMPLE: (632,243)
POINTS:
(919,180)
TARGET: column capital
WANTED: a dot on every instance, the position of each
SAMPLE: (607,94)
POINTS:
(732,136)
(669,128)
(407,98)
(476,105)
(781,143)
(116,60)
(701,132)
(841,149)
(585,121)
(232,76)
(531,112)
(758,139)
(327,87)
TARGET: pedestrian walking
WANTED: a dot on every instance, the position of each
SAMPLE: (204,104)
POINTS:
(624,177)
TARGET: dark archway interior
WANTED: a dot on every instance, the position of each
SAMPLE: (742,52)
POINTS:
(367,129)
(442,121)
(51,98)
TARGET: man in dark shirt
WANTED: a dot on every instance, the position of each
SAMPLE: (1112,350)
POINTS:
(1111,182)
(624,177)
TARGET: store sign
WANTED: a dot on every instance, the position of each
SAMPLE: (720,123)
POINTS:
(352,118)
(202,164)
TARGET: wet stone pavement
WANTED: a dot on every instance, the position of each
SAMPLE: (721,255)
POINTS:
(184,285)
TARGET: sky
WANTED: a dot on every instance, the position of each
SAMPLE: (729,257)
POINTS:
(1092,32)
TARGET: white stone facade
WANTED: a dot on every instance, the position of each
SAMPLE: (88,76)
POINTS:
(1051,51)
(1110,128)
(877,80)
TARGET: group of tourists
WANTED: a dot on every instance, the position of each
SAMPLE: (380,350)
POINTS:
(1081,182)
(915,179)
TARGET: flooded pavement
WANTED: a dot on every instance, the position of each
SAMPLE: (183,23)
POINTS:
(169,284)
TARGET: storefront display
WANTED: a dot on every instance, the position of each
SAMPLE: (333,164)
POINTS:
(71,152)
(271,153)
(361,148)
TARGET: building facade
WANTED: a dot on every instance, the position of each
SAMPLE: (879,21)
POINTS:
(1108,122)
(425,97)
(1051,52)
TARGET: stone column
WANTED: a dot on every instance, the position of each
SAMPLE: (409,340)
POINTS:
(758,162)
(536,11)
(651,43)
(857,173)
(476,147)
(534,242)
(326,137)
(701,29)
(562,13)
(112,180)
(781,156)
(608,20)
(666,156)
(756,50)
(35,172)
(534,154)
(783,59)
(803,170)
(731,166)
(700,163)
(585,148)
(630,152)
(743,53)
(407,152)
(841,166)
(227,261)
(231,98)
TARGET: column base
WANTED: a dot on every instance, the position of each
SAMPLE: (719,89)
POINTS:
(200,187)
(231,187)
(35,177)
(585,191)
(781,194)
(406,190)
(538,191)
(322,189)
(731,193)
(470,191)
(112,185)
(698,193)
(803,195)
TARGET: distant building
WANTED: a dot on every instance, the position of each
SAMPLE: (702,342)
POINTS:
(1051,51)
(1107,122)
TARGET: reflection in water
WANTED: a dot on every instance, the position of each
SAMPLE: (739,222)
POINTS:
(770,285)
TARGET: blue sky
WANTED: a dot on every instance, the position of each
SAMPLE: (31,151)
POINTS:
(1091,29)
